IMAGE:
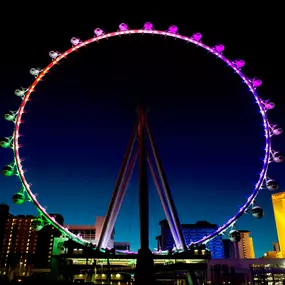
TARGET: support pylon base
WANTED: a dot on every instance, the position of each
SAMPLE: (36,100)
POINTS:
(145,273)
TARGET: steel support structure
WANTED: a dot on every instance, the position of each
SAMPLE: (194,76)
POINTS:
(167,192)
(141,133)
(106,230)
(163,201)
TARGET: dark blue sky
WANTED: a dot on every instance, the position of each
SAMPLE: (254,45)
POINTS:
(204,120)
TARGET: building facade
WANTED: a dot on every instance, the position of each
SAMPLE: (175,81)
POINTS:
(278,201)
(244,249)
(192,232)
(24,249)
(91,232)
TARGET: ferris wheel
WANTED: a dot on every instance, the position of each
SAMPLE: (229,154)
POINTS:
(25,193)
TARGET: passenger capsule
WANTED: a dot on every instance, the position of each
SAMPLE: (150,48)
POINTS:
(256,82)
(219,48)
(197,37)
(35,71)
(234,236)
(173,29)
(8,170)
(98,32)
(148,26)
(257,212)
(9,116)
(271,185)
(277,156)
(277,131)
(5,142)
(18,198)
(269,105)
(75,41)
(123,27)
(53,54)
(20,92)
(239,63)
(37,224)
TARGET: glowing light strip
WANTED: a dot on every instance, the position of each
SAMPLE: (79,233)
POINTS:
(266,125)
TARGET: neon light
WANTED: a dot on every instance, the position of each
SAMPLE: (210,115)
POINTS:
(148,29)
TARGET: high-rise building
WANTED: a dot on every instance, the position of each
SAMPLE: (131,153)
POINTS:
(229,249)
(4,214)
(23,247)
(244,249)
(278,201)
(192,232)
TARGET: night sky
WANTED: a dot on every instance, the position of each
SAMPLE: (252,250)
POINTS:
(205,121)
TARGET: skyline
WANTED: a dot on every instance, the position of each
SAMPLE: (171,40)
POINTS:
(203,121)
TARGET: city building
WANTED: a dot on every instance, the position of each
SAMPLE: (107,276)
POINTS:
(25,250)
(275,253)
(229,249)
(91,232)
(244,249)
(246,271)
(241,250)
(125,246)
(278,201)
(192,232)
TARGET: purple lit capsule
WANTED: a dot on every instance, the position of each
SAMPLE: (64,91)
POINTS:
(197,37)
(219,48)
(173,29)
(98,32)
(75,41)
(123,27)
(269,105)
(239,63)
(148,26)
(277,131)
(256,82)
(278,157)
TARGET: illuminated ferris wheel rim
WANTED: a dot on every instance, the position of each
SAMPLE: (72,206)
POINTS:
(269,130)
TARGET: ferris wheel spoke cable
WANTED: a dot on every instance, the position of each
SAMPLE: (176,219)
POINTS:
(16,167)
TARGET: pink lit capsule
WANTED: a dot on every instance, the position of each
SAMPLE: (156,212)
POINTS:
(75,41)
(219,48)
(123,27)
(256,82)
(173,29)
(277,131)
(98,32)
(239,63)
(148,26)
(197,37)
(269,105)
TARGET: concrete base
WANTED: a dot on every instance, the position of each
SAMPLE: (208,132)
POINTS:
(145,273)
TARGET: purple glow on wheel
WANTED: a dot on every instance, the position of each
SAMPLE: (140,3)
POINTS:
(148,28)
